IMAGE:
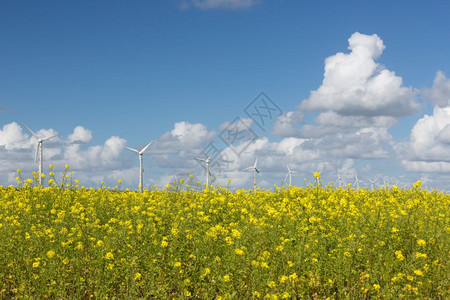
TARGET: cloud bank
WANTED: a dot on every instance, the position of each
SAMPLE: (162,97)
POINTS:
(343,128)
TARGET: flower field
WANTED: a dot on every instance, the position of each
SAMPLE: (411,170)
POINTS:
(296,243)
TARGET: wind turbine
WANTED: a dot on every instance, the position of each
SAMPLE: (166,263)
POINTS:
(39,150)
(255,170)
(339,179)
(385,183)
(207,161)
(141,167)
(372,183)
(357,181)
(289,173)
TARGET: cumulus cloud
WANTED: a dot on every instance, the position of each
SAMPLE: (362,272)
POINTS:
(12,137)
(426,166)
(285,124)
(185,136)
(80,135)
(331,118)
(99,156)
(439,94)
(221,4)
(429,140)
(354,84)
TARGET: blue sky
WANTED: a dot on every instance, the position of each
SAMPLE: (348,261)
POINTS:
(179,71)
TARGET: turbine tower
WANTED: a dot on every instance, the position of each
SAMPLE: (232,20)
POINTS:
(339,180)
(289,173)
(208,174)
(39,150)
(372,183)
(357,181)
(141,167)
(255,170)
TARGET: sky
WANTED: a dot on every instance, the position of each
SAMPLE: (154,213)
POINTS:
(347,88)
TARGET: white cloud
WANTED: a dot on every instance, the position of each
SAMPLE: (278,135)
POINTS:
(184,137)
(80,135)
(354,84)
(426,166)
(429,140)
(285,124)
(439,94)
(331,118)
(221,4)
(102,157)
(12,137)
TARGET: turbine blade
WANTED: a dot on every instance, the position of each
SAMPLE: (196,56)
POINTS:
(36,153)
(209,157)
(249,168)
(286,177)
(145,148)
(131,149)
(256,161)
(50,137)
(256,170)
(199,159)
(31,131)
(287,166)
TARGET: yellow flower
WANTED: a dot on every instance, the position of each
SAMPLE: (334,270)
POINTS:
(239,251)
(207,271)
(65,261)
(19,171)
(67,166)
(418,272)
(283,279)
(36,264)
(256,294)
(376,287)
(100,243)
(226,278)
(272,284)
(421,255)
(399,255)
(236,233)
(421,243)
(316,175)
(109,255)
(50,254)
(137,276)
(177,264)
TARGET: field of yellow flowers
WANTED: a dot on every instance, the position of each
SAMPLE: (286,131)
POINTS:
(298,243)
